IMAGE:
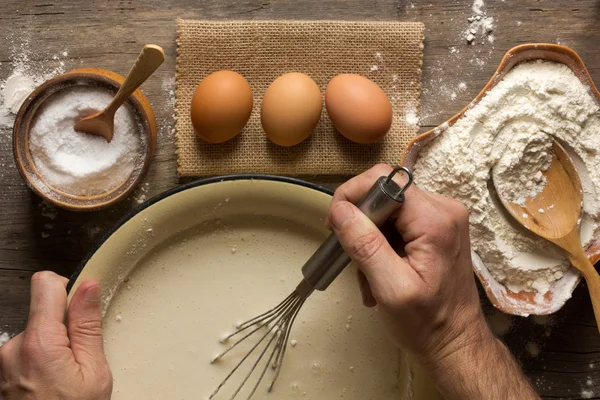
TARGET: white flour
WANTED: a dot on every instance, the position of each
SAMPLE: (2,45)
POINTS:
(533,99)
(411,117)
(481,25)
(518,174)
(26,75)
(4,337)
(587,394)
(15,90)
(79,163)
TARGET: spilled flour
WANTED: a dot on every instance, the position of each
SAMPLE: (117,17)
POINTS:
(509,131)
(481,25)
(4,337)
(25,76)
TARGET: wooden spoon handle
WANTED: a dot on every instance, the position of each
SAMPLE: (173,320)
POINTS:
(151,57)
(583,264)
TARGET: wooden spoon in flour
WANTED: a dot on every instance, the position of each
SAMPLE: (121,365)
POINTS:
(102,123)
(555,214)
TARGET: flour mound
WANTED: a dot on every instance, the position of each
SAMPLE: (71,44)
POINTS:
(509,131)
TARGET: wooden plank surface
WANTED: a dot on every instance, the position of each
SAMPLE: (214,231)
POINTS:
(561,353)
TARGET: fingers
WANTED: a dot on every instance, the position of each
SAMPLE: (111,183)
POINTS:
(365,290)
(48,299)
(367,246)
(84,324)
(355,189)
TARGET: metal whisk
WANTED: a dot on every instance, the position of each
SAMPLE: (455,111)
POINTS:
(319,272)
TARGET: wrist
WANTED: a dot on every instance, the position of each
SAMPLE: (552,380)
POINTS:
(477,367)
(458,345)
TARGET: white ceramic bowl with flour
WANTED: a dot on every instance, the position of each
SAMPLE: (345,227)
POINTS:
(539,91)
(76,170)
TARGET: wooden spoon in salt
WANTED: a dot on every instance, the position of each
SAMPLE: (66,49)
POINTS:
(102,123)
(555,214)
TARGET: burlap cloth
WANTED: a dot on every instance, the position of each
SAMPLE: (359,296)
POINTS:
(389,53)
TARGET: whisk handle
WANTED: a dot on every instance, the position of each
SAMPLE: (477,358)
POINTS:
(381,201)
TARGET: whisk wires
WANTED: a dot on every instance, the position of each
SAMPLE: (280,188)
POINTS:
(278,321)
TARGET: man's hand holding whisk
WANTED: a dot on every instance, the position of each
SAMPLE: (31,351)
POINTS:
(427,296)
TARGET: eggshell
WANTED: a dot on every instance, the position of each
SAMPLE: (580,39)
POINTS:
(221,106)
(358,108)
(291,109)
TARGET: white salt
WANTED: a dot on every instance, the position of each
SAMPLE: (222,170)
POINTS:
(80,163)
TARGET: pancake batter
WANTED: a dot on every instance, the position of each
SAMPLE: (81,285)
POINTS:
(203,281)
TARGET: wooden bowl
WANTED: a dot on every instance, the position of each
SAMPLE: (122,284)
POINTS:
(80,77)
(522,303)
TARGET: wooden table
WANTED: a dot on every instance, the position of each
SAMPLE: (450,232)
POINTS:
(110,34)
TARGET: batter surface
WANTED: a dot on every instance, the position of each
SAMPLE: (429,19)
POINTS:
(163,325)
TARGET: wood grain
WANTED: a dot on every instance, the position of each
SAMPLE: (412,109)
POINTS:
(110,34)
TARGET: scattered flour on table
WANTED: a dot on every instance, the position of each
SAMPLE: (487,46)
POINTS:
(141,194)
(48,211)
(533,349)
(25,76)
(466,61)
(499,323)
(587,394)
(4,337)
(168,86)
(93,231)
(79,163)
(541,98)
(480,26)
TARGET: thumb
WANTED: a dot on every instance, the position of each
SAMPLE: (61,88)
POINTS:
(367,246)
(84,324)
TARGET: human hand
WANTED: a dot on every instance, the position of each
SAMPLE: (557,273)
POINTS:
(55,357)
(428,298)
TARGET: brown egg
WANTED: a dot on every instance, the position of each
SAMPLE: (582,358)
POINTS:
(221,106)
(358,108)
(291,109)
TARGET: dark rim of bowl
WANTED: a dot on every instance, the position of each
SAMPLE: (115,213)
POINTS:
(181,188)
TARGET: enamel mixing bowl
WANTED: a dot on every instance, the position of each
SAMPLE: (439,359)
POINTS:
(213,209)
(522,303)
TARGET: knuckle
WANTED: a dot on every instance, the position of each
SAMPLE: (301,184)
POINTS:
(448,224)
(381,169)
(460,211)
(366,247)
(88,327)
(339,193)
(42,276)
